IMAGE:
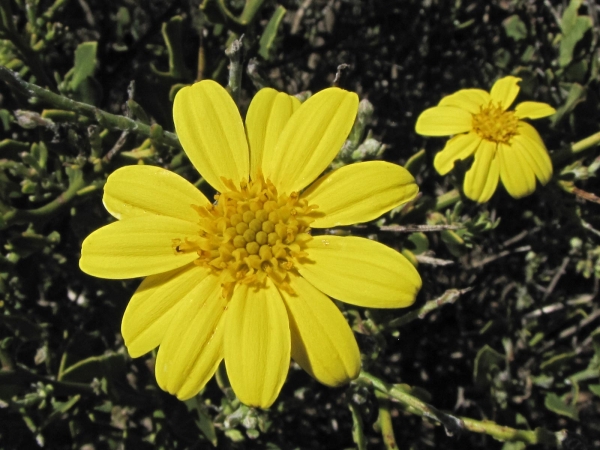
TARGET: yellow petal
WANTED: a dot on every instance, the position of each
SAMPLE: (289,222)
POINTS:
(515,173)
(267,115)
(468,99)
(154,304)
(359,193)
(133,191)
(505,90)
(529,143)
(361,272)
(444,121)
(211,132)
(310,140)
(482,178)
(459,147)
(322,342)
(533,110)
(257,344)
(136,247)
(193,344)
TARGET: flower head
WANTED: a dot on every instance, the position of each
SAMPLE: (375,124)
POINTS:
(244,279)
(505,147)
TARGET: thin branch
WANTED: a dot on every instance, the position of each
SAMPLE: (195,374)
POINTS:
(385,422)
(450,296)
(456,424)
(105,119)
(418,228)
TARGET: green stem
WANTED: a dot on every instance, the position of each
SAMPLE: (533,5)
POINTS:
(450,296)
(16,216)
(357,427)
(586,143)
(234,53)
(23,377)
(105,119)
(447,199)
(385,422)
(577,147)
(454,424)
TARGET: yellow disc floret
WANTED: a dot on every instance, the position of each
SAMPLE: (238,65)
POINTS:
(251,233)
(495,124)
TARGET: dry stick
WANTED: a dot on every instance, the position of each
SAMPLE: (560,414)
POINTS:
(105,119)
(450,296)
(502,254)
(456,424)
(234,53)
(422,228)
(559,273)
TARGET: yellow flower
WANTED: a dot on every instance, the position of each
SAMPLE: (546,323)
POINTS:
(243,279)
(505,147)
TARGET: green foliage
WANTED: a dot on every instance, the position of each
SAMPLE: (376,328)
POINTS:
(503,338)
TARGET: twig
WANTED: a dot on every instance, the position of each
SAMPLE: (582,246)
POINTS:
(589,226)
(104,118)
(357,427)
(338,74)
(429,260)
(456,424)
(418,228)
(589,196)
(16,216)
(450,296)
(385,422)
(502,254)
(559,273)
(234,53)
(117,147)
(298,16)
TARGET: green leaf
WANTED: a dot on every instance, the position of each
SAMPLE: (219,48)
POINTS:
(84,371)
(417,243)
(486,361)
(203,420)
(577,94)
(569,17)
(595,389)
(85,63)
(270,33)
(557,405)
(515,28)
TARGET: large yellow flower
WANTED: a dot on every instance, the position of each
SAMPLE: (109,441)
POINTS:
(505,147)
(243,279)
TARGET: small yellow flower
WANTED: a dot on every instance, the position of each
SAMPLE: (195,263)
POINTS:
(505,147)
(243,279)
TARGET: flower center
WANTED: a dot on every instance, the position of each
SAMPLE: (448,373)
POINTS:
(251,233)
(494,124)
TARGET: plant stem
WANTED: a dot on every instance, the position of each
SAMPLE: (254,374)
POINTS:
(234,53)
(105,119)
(577,147)
(586,143)
(357,427)
(447,199)
(15,216)
(450,296)
(456,424)
(385,422)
